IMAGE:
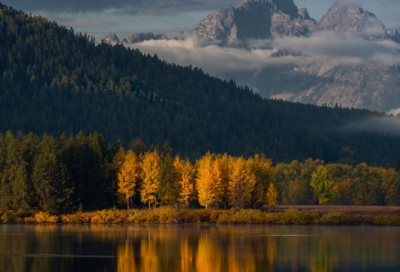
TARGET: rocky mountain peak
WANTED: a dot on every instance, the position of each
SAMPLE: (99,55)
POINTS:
(255,19)
(111,38)
(345,18)
(141,37)
(394,35)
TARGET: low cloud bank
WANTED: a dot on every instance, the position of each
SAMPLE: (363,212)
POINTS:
(337,48)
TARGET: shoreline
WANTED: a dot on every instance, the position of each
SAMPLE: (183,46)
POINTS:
(165,215)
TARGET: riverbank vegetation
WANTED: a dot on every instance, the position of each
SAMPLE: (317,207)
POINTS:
(192,216)
(83,173)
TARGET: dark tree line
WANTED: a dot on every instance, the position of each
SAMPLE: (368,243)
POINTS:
(53,80)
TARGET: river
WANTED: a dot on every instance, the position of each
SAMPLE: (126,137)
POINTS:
(213,248)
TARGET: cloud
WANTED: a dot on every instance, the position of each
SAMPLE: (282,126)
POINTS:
(128,6)
(338,50)
(340,46)
(382,125)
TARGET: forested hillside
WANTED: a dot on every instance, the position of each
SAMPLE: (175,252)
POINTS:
(53,80)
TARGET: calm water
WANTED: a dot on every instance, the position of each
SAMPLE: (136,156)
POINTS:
(198,248)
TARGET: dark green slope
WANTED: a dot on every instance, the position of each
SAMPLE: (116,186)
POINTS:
(53,80)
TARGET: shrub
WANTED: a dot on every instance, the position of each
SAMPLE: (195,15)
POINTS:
(337,218)
(137,216)
(44,217)
(76,218)
(30,220)
(8,217)
(110,216)
(387,220)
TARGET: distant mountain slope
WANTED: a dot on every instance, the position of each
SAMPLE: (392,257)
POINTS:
(54,80)
(372,84)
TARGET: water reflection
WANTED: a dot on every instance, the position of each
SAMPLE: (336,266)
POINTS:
(197,248)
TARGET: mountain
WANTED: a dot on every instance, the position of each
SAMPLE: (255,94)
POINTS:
(141,37)
(111,38)
(255,19)
(135,38)
(394,35)
(373,84)
(344,18)
(54,80)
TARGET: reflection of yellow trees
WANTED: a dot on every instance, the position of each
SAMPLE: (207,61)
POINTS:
(209,258)
(186,252)
(241,258)
(272,251)
(325,259)
(148,256)
(126,258)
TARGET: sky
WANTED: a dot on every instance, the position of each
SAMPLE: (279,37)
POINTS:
(124,17)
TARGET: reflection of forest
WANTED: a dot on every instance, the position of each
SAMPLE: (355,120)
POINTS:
(195,248)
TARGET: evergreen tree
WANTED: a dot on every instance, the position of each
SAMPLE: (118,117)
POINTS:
(168,186)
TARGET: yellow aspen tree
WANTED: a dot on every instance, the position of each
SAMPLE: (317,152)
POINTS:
(208,181)
(128,176)
(241,182)
(185,171)
(222,163)
(272,195)
(114,168)
(150,171)
(264,173)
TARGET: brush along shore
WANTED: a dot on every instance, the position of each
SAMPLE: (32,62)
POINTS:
(163,215)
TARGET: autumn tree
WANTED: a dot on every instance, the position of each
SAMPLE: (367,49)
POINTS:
(114,168)
(150,172)
(208,181)
(391,186)
(185,176)
(128,176)
(241,182)
(263,171)
(323,186)
(272,195)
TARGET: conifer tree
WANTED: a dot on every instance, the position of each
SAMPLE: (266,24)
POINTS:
(168,186)
(51,179)
(128,176)
(150,172)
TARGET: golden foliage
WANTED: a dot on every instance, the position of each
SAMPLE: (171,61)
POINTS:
(208,182)
(129,175)
(185,171)
(150,170)
(272,195)
(241,182)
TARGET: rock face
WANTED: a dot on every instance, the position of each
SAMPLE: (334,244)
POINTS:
(394,35)
(111,38)
(255,19)
(141,37)
(135,38)
(371,85)
(344,18)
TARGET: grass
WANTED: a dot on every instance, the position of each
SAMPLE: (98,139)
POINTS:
(166,215)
